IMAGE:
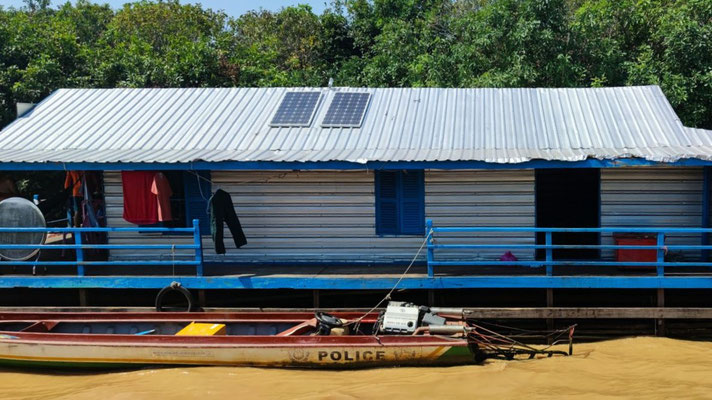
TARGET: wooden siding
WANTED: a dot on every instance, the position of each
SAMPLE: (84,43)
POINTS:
(329,216)
(481,198)
(652,197)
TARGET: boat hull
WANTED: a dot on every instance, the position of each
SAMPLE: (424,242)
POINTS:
(268,352)
(259,339)
(331,357)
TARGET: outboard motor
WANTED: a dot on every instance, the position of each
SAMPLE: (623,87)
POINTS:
(402,318)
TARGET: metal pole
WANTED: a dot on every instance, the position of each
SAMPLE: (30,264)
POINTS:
(197,240)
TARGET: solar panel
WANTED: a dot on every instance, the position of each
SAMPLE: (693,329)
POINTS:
(346,110)
(296,109)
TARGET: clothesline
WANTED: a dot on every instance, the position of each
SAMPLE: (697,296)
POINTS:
(217,186)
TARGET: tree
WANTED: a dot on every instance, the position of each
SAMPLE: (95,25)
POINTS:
(160,44)
(446,43)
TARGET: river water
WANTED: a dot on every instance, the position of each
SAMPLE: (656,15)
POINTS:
(650,368)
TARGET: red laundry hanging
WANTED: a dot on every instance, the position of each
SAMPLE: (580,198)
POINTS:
(140,204)
(162,189)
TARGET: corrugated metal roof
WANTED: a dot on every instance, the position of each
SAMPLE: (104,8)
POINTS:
(401,124)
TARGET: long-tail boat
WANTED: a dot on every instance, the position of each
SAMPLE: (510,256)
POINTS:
(402,335)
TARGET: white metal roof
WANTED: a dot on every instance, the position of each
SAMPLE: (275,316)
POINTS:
(401,124)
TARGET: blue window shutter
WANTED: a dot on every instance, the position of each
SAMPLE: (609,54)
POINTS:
(196,199)
(412,203)
(387,183)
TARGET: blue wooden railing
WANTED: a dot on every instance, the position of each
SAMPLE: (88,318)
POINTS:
(79,247)
(549,262)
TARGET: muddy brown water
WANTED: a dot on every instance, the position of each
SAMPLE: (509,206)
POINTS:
(644,367)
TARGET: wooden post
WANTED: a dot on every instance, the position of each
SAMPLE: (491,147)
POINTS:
(315,298)
(83,297)
(549,304)
(660,323)
(201,298)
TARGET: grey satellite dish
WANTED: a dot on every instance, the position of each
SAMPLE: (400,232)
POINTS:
(17,212)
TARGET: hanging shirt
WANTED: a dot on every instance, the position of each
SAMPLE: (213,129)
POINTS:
(162,189)
(73,180)
(140,204)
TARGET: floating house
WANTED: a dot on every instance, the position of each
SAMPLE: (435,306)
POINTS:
(474,183)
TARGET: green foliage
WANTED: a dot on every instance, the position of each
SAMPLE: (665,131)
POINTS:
(445,43)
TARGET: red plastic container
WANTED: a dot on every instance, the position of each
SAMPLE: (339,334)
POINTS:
(636,255)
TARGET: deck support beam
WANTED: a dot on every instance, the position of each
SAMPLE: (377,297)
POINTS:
(549,304)
(658,313)
(660,323)
(315,298)
(83,298)
(350,282)
(201,298)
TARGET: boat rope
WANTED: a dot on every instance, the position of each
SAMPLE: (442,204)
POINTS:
(358,320)
(173,258)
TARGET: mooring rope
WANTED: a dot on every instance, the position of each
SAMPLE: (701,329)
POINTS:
(358,320)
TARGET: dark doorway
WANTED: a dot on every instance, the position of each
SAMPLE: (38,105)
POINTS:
(568,198)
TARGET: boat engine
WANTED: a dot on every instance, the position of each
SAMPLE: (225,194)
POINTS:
(404,318)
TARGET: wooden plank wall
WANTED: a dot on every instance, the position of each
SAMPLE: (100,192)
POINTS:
(329,216)
(653,197)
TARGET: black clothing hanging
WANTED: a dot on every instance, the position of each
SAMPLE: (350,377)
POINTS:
(222,210)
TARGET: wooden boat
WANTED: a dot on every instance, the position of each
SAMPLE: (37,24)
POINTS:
(263,339)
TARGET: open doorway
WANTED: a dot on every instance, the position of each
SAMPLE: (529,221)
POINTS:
(568,198)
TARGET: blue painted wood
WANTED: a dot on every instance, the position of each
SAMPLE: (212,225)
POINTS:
(355,283)
(548,263)
(549,254)
(412,202)
(198,243)
(197,191)
(660,266)
(400,202)
(101,263)
(621,229)
(79,254)
(343,165)
(543,263)
(103,246)
(386,202)
(558,246)
(384,282)
(706,186)
(99,229)
(431,246)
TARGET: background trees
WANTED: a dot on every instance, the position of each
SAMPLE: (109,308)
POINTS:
(447,43)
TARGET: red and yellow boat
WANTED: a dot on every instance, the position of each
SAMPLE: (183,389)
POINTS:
(261,339)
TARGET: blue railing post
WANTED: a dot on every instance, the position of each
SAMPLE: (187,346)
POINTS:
(706,183)
(549,253)
(79,252)
(661,254)
(198,241)
(429,238)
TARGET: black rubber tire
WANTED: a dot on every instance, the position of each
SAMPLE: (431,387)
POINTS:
(174,288)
